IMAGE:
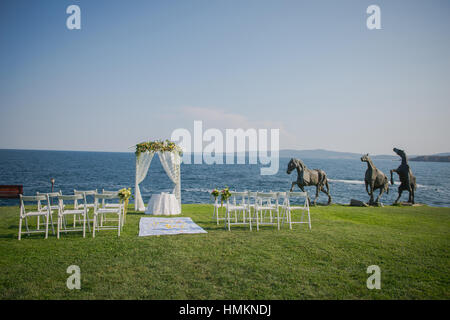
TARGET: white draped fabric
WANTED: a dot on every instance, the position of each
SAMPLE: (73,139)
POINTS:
(171,163)
(142,164)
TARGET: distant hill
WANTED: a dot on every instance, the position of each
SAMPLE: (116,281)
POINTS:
(327,154)
(442,154)
(385,157)
(318,154)
(434,158)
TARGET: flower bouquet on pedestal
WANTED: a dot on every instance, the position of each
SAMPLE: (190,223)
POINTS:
(124,196)
(215,193)
(225,194)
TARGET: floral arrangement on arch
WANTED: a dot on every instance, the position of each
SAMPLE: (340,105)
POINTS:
(158,145)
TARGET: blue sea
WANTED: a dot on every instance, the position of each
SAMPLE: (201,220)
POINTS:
(111,171)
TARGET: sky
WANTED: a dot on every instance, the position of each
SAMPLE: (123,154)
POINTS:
(138,70)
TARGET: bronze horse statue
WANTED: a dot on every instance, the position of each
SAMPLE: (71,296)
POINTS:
(407,179)
(374,179)
(307,177)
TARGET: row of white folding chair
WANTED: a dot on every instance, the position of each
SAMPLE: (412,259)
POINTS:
(262,210)
(79,211)
(101,211)
(239,201)
(235,207)
(253,212)
(104,204)
(283,207)
(80,206)
(45,211)
(233,213)
(55,207)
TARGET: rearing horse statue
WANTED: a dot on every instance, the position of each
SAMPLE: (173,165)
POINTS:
(307,177)
(407,179)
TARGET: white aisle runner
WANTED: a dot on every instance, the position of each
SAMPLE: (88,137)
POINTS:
(164,226)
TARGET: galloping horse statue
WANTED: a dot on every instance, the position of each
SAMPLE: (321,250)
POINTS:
(307,177)
(407,179)
(374,179)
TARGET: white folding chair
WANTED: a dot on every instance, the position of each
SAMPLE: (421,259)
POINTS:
(238,206)
(88,193)
(110,192)
(282,203)
(263,205)
(108,204)
(100,211)
(81,214)
(53,198)
(24,214)
(290,207)
(251,203)
(88,205)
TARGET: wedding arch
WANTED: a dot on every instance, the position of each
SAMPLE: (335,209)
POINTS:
(170,155)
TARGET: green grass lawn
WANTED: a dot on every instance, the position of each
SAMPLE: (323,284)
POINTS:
(410,244)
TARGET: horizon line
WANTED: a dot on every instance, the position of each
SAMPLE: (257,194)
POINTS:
(318,149)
